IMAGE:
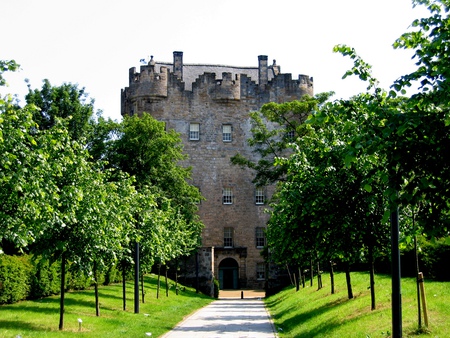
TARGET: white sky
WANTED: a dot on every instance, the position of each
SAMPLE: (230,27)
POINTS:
(93,43)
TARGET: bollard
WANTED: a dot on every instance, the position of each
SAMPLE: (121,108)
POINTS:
(242,294)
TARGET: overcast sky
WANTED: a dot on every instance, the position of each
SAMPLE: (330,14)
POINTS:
(93,43)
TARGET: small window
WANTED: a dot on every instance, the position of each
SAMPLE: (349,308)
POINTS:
(227,196)
(259,195)
(260,237)
(290,135)
(226,133)
(228,237)
(260,271)
(194,132)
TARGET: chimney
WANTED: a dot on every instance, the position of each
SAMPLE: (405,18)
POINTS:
(263,75)
(178,64)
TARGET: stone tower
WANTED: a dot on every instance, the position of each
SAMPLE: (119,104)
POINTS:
(209,106)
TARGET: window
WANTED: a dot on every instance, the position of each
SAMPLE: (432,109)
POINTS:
(226,133)
(227,237)
(259,195)
(260,237)
(194,132)
(227,196)
(260,271)
(290,134)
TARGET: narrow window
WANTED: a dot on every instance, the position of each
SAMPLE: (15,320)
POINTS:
(228,237)
(226,133)
(260,237)
(227,196)
(290,134)
(260,271)
(194,132)
(259,195)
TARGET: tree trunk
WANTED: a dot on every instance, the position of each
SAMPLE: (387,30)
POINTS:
(142,288)
(372,278)
(332,277)
(319,277)
(299,277)
(289,274)
(97,304)
(349,282)
(62,290)
(176,277)
(167,284)
(159,281)
(124,286)
(312,271)
(416,254)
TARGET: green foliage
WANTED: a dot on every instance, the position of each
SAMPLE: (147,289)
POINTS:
(274,128)
(67,103)
(216,288)
(15,274)
(435,259)
(45,279)
(7,65)
(22,277)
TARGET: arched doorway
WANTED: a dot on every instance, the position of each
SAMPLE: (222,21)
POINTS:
(228,274)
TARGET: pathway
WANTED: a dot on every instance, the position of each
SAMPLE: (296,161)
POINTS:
(228,317)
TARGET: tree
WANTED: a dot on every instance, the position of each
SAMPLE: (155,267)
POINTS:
(66,102)
(24,171)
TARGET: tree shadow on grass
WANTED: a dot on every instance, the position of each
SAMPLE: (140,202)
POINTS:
(305,316)
(18,327)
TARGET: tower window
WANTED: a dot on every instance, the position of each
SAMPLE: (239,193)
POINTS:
(259,195)
(260,237)
(228,237)
(194,132)
(227,196)
(260,271)
(226,133)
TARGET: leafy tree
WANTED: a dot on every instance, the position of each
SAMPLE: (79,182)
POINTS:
(66,102)
(24,170)
(146,151)
(274,127)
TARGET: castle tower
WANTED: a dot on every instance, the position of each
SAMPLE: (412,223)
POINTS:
(209,106)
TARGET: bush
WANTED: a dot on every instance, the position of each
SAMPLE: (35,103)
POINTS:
(45,279)
(216,288)
(77,279)
(15,275)
(435,259)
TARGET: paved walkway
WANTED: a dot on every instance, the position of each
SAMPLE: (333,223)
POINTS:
(230,317)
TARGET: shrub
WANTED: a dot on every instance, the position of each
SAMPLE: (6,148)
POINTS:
(15,274)
(216,288)
(45,279)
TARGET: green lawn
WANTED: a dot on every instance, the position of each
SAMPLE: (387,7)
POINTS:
(311,313)
(40,318)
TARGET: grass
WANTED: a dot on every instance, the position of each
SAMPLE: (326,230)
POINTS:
(40,318)
(318,313)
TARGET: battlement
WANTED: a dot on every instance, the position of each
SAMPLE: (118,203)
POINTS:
(157,81)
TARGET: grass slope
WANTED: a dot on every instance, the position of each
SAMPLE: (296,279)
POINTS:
(40,318)
(318,313)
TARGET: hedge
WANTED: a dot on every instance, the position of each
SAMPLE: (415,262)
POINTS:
(22,277)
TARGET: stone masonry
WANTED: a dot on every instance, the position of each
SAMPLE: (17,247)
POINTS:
(209,106)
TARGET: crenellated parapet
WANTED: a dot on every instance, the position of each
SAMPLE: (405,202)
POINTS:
(157,81)
(226,89)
